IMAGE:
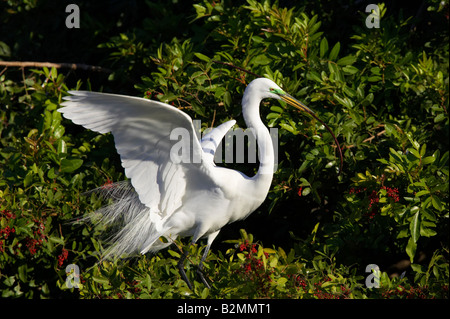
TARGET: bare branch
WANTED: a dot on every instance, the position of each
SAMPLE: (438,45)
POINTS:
(72,66)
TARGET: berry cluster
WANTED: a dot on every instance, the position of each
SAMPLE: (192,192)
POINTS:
(32,243)
(320,293)
(299,282)
(317,291)
(408,293)
(132,289)
(253,263)
(357,190)
(374,198)
(8,214)
(62,257)
(253,269)
(7,231)
(392,193)
(108,184)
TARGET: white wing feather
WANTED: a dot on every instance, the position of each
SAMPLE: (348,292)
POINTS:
(211,140)
(141,130)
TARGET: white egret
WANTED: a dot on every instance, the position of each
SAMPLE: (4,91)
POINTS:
(174,198)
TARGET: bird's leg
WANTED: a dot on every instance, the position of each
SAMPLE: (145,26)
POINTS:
(180,266)
(200,267)
(211,238)
(184,255)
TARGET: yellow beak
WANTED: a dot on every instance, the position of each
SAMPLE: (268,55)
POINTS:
(295,103)
(302,107)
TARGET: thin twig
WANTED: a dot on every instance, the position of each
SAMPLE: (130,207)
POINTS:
(4,70)
(369,139)
(72,66)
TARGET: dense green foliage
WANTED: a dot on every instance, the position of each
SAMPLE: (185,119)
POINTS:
(383,91)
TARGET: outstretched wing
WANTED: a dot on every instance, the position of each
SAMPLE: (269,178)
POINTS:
(142,133)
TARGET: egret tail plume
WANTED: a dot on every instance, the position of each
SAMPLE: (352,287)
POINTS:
(131,225)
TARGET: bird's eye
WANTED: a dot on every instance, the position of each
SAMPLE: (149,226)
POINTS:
(276,91)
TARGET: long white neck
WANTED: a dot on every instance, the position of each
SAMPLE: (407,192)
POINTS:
(250,110)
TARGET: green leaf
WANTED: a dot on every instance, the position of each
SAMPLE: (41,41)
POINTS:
(269,250)
(28,178)
(57,240)
(427,232)
(287,127)
(417,268)
(70,165)
(260,60)
(101,280)
(323,47)
(306,191)
(54,73)
(415,144)
(227,99)
(51,173)
(350,69)
(395,155)
(276,109)
(414,152)
(62,147)
(436,202)
(334,52)
(344,101)
(428,160)
(173,253)
(421,193)
(328,283)
(22,270)
(273,116)
(313,75)
(411,249)
(148,282)
(281,281)
(374,78)
(423,150)
(204,294)
(439,118)
(200,10)
(4,49)
(202,57)
(347,60)
(414,227)
(59,131)
(368,99)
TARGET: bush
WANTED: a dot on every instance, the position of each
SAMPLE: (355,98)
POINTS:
(384,93)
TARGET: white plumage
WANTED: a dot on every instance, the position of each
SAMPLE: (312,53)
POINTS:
(173,198)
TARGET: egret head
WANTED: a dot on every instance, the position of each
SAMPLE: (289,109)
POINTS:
(265,88)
